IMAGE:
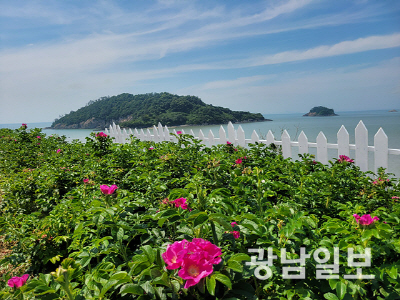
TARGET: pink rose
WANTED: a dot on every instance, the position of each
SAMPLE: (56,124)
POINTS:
(17,282)
(236,234)
(106,190)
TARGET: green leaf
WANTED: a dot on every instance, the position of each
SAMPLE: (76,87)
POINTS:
(235,266)
(210,283)
(120,234)
(392,272)
(367,235)
(333,283)
(330,296)
(200,219)
(149,252)
(239,257)
(340,290)
(221,220)
(131,288)
(223,279)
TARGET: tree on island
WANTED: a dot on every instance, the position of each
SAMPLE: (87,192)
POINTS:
(320,111)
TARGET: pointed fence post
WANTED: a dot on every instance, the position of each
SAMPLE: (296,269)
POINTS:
(381,150)
(241,137)
(119,134)
(270,138)
(254,137)
(286,146)
(322,148)
(202,137)
(361,133)
(148,135)
(167,137)
(124,136)
(303,143)
(343,142)
(222,135)
(142,135)
(211,140)
(231,133)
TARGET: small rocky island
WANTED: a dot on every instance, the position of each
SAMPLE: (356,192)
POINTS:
(320,111)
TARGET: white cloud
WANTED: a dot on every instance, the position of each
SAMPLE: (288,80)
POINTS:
(344,89)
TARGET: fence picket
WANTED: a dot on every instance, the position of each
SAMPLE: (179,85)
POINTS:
(270,138)
(241,137)
(303,143)
(361,158)
(286,146)
(322,148)
(222,135)
(343,142)
(231,133)
(254,137)
(202,137)
(381,149)
(210,138)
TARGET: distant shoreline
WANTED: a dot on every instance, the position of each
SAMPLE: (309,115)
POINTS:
(174,126)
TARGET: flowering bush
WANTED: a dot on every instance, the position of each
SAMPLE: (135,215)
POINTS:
(183,221)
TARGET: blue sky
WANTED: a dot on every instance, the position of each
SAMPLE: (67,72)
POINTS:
(261,56)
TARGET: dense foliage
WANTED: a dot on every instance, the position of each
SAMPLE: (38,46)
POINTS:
(148,109)
(99,220)
(321,111)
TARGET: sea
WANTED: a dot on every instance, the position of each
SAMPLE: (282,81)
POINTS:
(294,124)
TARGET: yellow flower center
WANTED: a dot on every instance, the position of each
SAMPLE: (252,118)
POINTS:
(193,270)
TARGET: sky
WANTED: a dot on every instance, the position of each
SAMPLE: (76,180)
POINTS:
(268,56)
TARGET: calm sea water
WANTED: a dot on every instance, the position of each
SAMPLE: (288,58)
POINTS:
(294,124)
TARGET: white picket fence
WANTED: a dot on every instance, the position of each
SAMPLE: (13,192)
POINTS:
(237,137)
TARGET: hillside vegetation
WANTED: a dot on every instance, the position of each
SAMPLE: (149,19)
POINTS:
(320,111)
(148,109)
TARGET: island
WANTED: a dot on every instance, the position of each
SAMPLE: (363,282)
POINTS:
(146,110)
(320,111)
(392,110)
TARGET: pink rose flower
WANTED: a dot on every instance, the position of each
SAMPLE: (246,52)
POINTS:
(58,150)
(236,234)
(101,134)
(228,143)
(179,132)
(38,137)
(343,158)
(233,224)
(196,259)
(238,161)
(17,282)
(194,271)
(174,254)
(151,148)
(106,190)
(86,180)
(24,126)
(365,220)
